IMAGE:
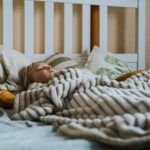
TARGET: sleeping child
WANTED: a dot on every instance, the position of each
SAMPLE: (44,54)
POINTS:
(37,75)
(36,72)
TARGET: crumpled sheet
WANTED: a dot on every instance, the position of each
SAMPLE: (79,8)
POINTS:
(29,135)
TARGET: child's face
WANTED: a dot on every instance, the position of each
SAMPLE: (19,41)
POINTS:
(41,72)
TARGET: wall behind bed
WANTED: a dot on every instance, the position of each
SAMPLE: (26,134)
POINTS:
(121,28)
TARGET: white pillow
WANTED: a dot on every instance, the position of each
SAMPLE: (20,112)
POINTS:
(60,61)
(2,71)
(13,62)
(103,63)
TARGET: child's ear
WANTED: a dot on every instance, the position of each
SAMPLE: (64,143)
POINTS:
(6,99)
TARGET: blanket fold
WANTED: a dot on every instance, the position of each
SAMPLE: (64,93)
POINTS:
(91,107)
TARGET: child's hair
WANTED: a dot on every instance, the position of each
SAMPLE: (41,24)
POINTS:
(25,76)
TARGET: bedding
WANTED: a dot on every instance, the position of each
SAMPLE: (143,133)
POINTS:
(103,63)
(61,61)
(2,71)
(11,61)
(29,135)
(95,107)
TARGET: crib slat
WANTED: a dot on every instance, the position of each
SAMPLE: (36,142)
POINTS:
(49,27)
(103,27)
(8,23)
(86,28)
(141,35)
(68,29)
(29,27)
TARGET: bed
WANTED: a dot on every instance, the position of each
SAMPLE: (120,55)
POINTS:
(37,135)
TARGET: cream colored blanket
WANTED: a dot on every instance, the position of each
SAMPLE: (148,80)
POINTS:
(91,107)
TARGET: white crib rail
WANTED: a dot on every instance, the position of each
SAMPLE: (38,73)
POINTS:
(8,23)
(68,29)
(49,28)
(29,27)
(103,27)
(141,35)
(86,28)
(136,60)
(117,3)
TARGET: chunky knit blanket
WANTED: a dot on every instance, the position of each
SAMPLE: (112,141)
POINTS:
(91,107)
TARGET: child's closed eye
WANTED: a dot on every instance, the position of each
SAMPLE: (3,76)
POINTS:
(43,67)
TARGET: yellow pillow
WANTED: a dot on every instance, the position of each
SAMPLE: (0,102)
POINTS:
(6,99)
(128,75)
